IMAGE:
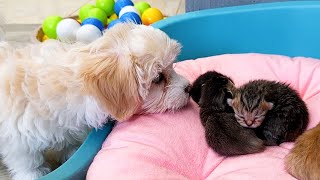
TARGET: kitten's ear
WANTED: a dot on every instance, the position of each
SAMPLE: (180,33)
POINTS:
(270,105)
(230,102)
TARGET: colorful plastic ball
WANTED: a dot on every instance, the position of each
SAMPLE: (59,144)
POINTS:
(128,9)
(98,14)
(88,33)
(109,21)
(106,5)
(142,6)
(67,29)
(151,15)
(120,4)
(79,21)
(114,22)
(49,26)
(113,16)
(95,22)
(132,17)
(44,38)
(83,12)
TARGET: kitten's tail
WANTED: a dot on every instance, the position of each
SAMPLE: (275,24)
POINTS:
(303,161)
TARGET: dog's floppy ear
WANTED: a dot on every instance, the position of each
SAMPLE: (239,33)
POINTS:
(112,81)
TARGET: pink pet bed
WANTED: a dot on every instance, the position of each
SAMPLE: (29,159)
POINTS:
(173,146)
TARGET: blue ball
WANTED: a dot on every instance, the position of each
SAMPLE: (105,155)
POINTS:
(114,22)
(95,22)
(120,4)
(132,17)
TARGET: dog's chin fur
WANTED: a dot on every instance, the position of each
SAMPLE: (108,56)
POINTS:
(52,93)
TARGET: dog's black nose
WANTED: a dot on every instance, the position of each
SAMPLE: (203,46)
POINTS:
(187,89)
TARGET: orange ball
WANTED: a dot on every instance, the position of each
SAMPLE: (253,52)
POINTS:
(151,15)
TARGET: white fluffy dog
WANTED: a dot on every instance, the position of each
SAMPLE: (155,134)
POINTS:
(51,94)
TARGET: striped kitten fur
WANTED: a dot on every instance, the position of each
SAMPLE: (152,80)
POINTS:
(273,109)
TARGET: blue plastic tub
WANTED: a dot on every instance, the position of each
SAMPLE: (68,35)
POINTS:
(286,28)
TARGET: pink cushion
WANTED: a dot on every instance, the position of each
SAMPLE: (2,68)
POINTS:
(172,146)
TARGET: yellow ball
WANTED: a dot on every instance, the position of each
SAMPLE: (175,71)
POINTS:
(44,37)
(113,16)
(151,15)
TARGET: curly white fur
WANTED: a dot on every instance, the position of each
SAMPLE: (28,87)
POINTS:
(52,93)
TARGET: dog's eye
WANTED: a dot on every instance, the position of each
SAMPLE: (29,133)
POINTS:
(158,79)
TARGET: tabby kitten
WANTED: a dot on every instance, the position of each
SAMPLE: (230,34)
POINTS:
(223,134)
(273,108)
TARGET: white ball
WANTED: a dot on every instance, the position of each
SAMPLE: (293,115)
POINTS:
(128,9)
(67,29)
(88,33)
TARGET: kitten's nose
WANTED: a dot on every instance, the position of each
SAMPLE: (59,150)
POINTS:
(248,123)
(187,89)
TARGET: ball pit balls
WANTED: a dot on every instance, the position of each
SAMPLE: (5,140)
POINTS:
(114,22)
(83,12)
(44,37)
(67,29)
(106,5)
(79,21)
(95,22)
(88,33)
(113,16)
(109,21)
(120,4)
(132,17)
(94,18)
(98,14)
(151,15)
(49,26)
(142,6)
(128,9)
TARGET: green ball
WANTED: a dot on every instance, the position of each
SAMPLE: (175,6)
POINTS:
(109,21)
(106,5)
(142,6)
(98,14)
(49,26)
(83,12)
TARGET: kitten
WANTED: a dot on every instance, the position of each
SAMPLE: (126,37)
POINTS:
(223,134)
(273,108)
